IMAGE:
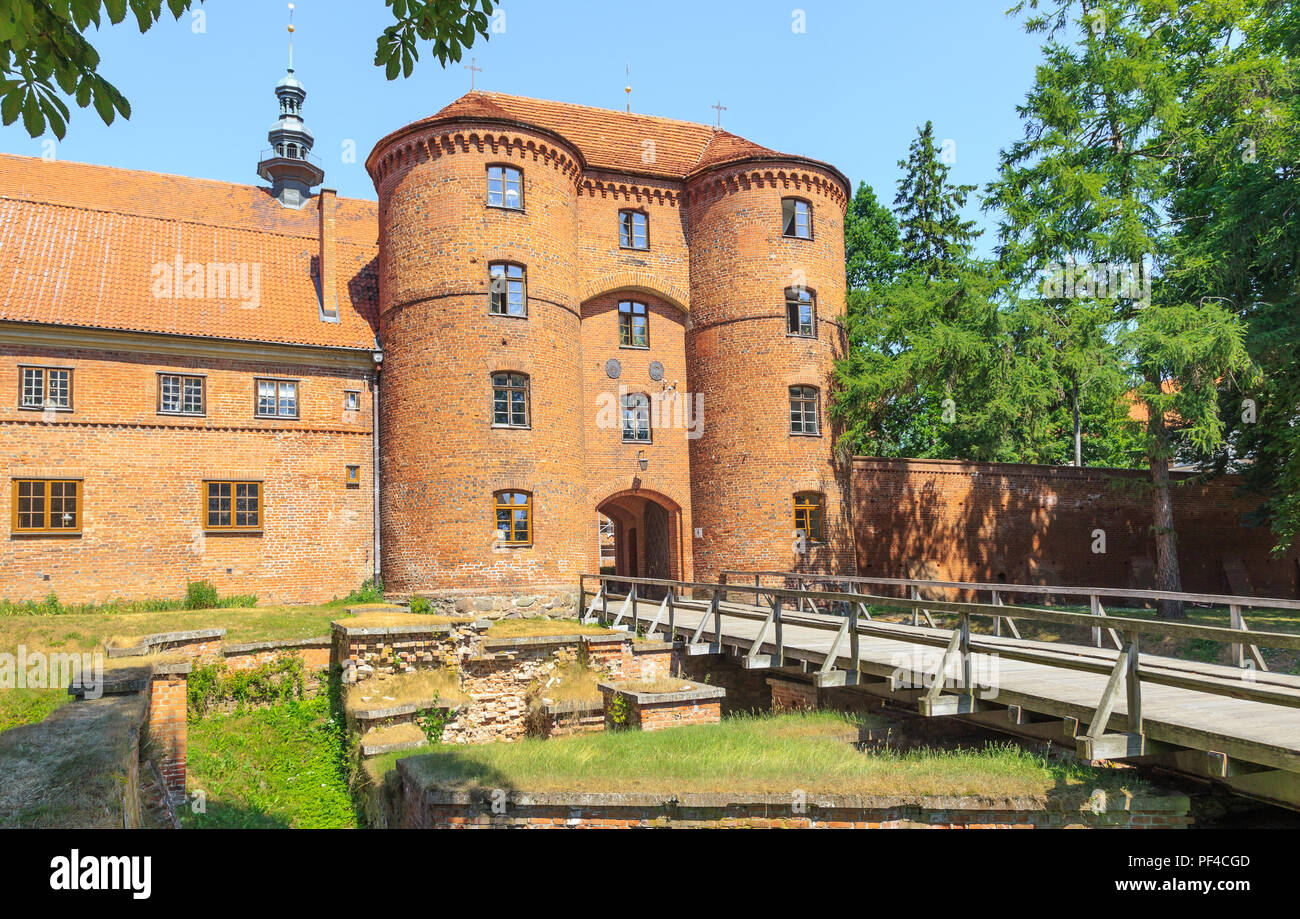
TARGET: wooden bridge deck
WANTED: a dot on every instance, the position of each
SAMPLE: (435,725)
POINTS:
(1254,732)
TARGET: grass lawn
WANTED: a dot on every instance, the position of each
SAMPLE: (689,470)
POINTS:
(280,766)
(28,706)
(766,754)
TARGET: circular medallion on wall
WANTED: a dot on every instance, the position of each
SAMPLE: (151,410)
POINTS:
(613,369)
(656,371)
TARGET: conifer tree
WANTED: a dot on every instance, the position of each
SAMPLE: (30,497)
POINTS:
(1090,183)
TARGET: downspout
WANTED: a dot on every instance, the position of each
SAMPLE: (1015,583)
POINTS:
(378,356)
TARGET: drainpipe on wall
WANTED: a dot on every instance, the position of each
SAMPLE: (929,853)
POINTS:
(378,356)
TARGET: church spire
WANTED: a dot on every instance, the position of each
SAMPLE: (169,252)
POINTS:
(288,164)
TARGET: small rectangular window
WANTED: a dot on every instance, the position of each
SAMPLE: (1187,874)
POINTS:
(510,400)
(47,506)
(232,505)
(277,398)
(800,313)
(514,517)
(809,516)
(352,476)
(636,418)
(45,388)
(633,325)
(180,394)
(633,230)
(509,289)
(505,187)
(796,218)
(351,400)
(803,410)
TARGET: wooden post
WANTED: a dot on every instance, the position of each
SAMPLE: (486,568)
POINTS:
(756,586)
(672,622)
(1238,650)
(967,665)
(717,619)
(777,603)
(1133,685)
(634,616)
(1094,607)
(997,620)
(604,601)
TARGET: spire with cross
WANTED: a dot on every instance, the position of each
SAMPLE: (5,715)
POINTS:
(721,108)
(472,70)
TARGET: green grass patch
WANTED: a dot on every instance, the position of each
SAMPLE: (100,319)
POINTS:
(280,766)
(771,754)
(29,706)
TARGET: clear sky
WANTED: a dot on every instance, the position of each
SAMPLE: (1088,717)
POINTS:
(850,90)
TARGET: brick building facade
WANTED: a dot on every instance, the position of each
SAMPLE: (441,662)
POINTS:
(555,319)
(197,366)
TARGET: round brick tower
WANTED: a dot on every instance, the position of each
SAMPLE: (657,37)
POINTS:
(443,458)
(742,355)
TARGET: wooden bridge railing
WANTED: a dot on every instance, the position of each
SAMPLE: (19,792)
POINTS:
(959,646)
(1000,591)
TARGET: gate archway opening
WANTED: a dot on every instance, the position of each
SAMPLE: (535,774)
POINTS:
(647,537)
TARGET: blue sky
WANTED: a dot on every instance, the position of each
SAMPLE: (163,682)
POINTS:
(850,90)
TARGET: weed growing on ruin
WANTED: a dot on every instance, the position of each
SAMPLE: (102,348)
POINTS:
(432,721)
(421,606)
(618,712)
(211,685)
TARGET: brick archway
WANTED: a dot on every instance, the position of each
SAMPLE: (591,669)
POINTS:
(647,534)
(646,282)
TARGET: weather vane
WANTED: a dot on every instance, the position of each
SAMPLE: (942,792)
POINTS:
(628,88)
(472,70)
(721,108)
(291,38)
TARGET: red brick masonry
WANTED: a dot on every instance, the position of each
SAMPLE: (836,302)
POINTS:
(418,807)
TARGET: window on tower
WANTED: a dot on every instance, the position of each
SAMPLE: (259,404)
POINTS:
(509,400)
(809,515)
(633,230)
(796,218)
(505,187)
(803,410)
(514,517)
(636,418)
(508,289)
(633,325)
(800,312)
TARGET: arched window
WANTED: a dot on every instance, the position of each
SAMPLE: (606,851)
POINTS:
(803,410)
(633,229)
(505,187)
(796,218)
(809,515)
(633,325)
(514,517)
(509,293)
(636,418)
(510,400)
(800,312)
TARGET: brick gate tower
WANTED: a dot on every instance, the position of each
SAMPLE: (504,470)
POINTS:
(594,317)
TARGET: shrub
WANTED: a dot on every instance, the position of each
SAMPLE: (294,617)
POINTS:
(214,684)
(372,591)
(201,595)
(421,606)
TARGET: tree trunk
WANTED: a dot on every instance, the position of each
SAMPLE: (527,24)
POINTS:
(1162,512)
(1078,427)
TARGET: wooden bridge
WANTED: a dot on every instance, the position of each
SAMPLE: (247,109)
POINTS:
(1237,726)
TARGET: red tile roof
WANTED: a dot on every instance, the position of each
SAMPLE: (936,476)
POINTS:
(613,140)
(80,246)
